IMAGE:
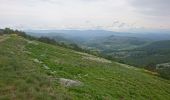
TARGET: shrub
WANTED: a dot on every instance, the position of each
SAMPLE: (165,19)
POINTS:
(164,70)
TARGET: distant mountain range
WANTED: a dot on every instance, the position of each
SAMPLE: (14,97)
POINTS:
(88,34)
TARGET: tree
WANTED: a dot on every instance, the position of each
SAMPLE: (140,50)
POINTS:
(8,31)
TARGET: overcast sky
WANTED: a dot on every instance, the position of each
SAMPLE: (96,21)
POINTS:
(85,14)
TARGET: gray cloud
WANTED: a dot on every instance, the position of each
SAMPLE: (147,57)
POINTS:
(152,7)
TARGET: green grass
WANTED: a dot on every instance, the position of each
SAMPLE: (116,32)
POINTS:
(22,78)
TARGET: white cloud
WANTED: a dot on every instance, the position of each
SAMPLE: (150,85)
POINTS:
(79,14)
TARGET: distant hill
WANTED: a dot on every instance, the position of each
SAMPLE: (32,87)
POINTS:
(154,53)
(115,43)
(85,35)
(154,36)
(30,69)
(158,45)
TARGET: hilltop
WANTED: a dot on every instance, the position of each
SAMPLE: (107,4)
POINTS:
(30,69)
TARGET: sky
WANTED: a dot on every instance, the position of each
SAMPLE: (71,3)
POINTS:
(85,14)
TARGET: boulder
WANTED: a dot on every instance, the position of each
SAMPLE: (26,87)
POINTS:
(69,82)
(46,67)
(37,61)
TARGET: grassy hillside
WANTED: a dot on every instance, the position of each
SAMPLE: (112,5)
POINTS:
(31,70)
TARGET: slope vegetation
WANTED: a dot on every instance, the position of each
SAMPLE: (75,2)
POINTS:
(33,70)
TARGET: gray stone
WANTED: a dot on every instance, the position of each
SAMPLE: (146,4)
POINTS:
(37,61)
(46,67)
(69,82)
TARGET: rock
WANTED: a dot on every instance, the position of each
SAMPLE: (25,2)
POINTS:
(97,59)
(53,72)
(42,55)
(86,75)
(27,52)
(46,67)
(32,42)
(69,82)
(37,61)
(12,52)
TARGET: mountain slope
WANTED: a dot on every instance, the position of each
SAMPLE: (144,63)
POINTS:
(31,70)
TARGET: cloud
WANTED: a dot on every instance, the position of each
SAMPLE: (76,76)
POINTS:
(84,13)
(152,7)
(119,24)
